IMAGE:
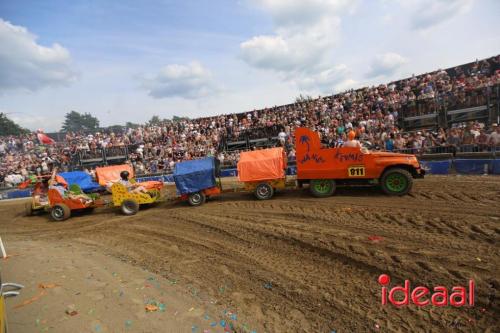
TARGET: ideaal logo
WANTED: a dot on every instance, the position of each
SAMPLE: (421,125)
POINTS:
(422,296)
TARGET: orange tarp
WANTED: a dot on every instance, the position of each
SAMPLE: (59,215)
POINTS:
(265,164)
(112,173)
(151,184)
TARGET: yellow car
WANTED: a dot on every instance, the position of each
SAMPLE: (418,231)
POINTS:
(129,202)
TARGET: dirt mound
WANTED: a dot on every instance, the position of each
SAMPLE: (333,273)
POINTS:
(300,264)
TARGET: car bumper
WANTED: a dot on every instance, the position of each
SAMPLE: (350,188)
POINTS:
(420,173)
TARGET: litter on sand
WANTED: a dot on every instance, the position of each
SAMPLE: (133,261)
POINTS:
(162,307)
(71,310)
(128,323)
(151,307)
(375,238)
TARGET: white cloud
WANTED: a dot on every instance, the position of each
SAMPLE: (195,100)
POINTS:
(302,44)
(189,81)
(429,13)
(386,64)
(327,80)
(24,64)
(34,122)
(301,12)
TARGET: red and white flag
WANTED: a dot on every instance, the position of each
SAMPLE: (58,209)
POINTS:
(45,139)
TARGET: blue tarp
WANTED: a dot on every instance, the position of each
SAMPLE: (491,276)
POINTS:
(470,166)
(436,167)
(82,179)
(193,176)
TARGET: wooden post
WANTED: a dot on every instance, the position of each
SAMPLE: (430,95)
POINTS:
(4,255)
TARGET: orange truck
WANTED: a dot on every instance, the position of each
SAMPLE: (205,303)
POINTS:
(325,168)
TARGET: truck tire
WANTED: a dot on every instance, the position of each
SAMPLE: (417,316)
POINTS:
(264,191)
(196,199)
(129,207)
(60,212)
(396,181)
(322,188)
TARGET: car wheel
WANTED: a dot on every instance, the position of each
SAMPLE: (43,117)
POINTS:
(264,191)
(60,212)
(321,188)
(28,208)
(129,207)
(396,182)
(196,199)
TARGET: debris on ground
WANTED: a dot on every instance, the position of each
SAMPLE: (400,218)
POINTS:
(128,323)
(151,307)
(375,238)
(71,310)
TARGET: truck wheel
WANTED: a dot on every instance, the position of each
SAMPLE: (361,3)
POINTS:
(60,212)
(129,207)
(264,191)
(28,208)
(196,199)
(321,188)
(396,182)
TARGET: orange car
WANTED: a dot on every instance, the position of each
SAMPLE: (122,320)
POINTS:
(324,168)
(61,207)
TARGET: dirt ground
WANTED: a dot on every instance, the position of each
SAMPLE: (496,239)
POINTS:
(291,264)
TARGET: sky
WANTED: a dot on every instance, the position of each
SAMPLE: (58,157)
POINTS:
(130,60)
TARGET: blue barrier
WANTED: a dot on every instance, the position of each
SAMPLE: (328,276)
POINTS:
(229,172)
(162,178)
(437,167)
(18,194)
(472,166)
(291,171)
(495,167)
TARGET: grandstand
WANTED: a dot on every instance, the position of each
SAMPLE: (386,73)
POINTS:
(439,115)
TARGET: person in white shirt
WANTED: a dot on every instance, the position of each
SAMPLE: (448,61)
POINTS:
(494,138)
(132,188)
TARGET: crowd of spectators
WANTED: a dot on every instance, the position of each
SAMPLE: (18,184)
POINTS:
(372,112)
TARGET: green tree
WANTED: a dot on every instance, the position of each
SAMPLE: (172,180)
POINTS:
(155,120)
(176,118)
(75,121)
(303,98)
(8,127)
(116,128)
(128,124)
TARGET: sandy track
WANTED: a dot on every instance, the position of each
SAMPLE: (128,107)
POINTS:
(299,264)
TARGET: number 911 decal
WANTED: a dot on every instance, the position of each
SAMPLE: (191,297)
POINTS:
(356,171)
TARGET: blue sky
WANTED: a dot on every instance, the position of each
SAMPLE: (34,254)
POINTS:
(129,60)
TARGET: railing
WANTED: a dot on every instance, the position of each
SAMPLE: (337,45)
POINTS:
(447,108)
(450,149)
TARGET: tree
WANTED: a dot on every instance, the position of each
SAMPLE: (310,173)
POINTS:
(128,124)
(8,127)
(76,122)
(116,128)
(154,121)
(302,98)
(176,118)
